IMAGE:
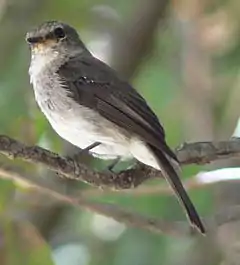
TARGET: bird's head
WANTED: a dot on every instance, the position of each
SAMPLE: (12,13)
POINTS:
(53,36)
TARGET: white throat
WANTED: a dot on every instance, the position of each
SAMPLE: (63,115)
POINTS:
(41,61)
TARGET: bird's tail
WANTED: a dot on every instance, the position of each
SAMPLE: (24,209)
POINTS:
(172,177)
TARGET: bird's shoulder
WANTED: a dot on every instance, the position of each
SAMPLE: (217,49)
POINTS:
(86,69)
(90,75)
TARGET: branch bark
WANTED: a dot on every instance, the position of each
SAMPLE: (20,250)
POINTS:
(188,153)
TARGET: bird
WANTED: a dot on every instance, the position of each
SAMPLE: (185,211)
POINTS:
(89,105)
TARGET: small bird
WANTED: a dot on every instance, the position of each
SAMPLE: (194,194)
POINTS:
(90,106)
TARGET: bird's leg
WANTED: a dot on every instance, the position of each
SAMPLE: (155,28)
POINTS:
(90,147)
(113,164)
(86,150)
(76,157)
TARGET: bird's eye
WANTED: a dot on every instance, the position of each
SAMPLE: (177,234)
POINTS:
(59,33)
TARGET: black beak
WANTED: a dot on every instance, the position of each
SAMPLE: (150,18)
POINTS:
(33,40)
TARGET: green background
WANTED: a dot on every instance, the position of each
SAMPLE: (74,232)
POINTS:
(183,57)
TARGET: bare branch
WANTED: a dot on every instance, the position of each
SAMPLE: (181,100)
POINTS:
(198,153)
(205,152)
(71,169)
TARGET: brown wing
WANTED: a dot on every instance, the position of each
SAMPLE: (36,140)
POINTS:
(95,85)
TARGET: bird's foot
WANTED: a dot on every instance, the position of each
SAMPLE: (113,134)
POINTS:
(110,168)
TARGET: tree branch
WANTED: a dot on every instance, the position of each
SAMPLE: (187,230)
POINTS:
(203,152)
(191,153)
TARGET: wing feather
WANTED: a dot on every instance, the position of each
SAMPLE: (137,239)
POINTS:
(95,85)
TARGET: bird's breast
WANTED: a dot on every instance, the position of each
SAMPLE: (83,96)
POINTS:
(82,127)
(76,123)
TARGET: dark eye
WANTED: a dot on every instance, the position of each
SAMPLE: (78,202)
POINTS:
(59,33)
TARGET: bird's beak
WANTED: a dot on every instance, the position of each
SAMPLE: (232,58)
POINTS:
(38,44)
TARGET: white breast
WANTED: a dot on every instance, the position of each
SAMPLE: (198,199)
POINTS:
(41,60)
(82,127)
(35,68)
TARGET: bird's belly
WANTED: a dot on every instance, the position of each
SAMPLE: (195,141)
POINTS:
(81,127)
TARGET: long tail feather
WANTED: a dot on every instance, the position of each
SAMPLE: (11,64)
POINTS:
(172,177)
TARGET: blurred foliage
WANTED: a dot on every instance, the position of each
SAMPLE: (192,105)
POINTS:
(79,237)
(23,245)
